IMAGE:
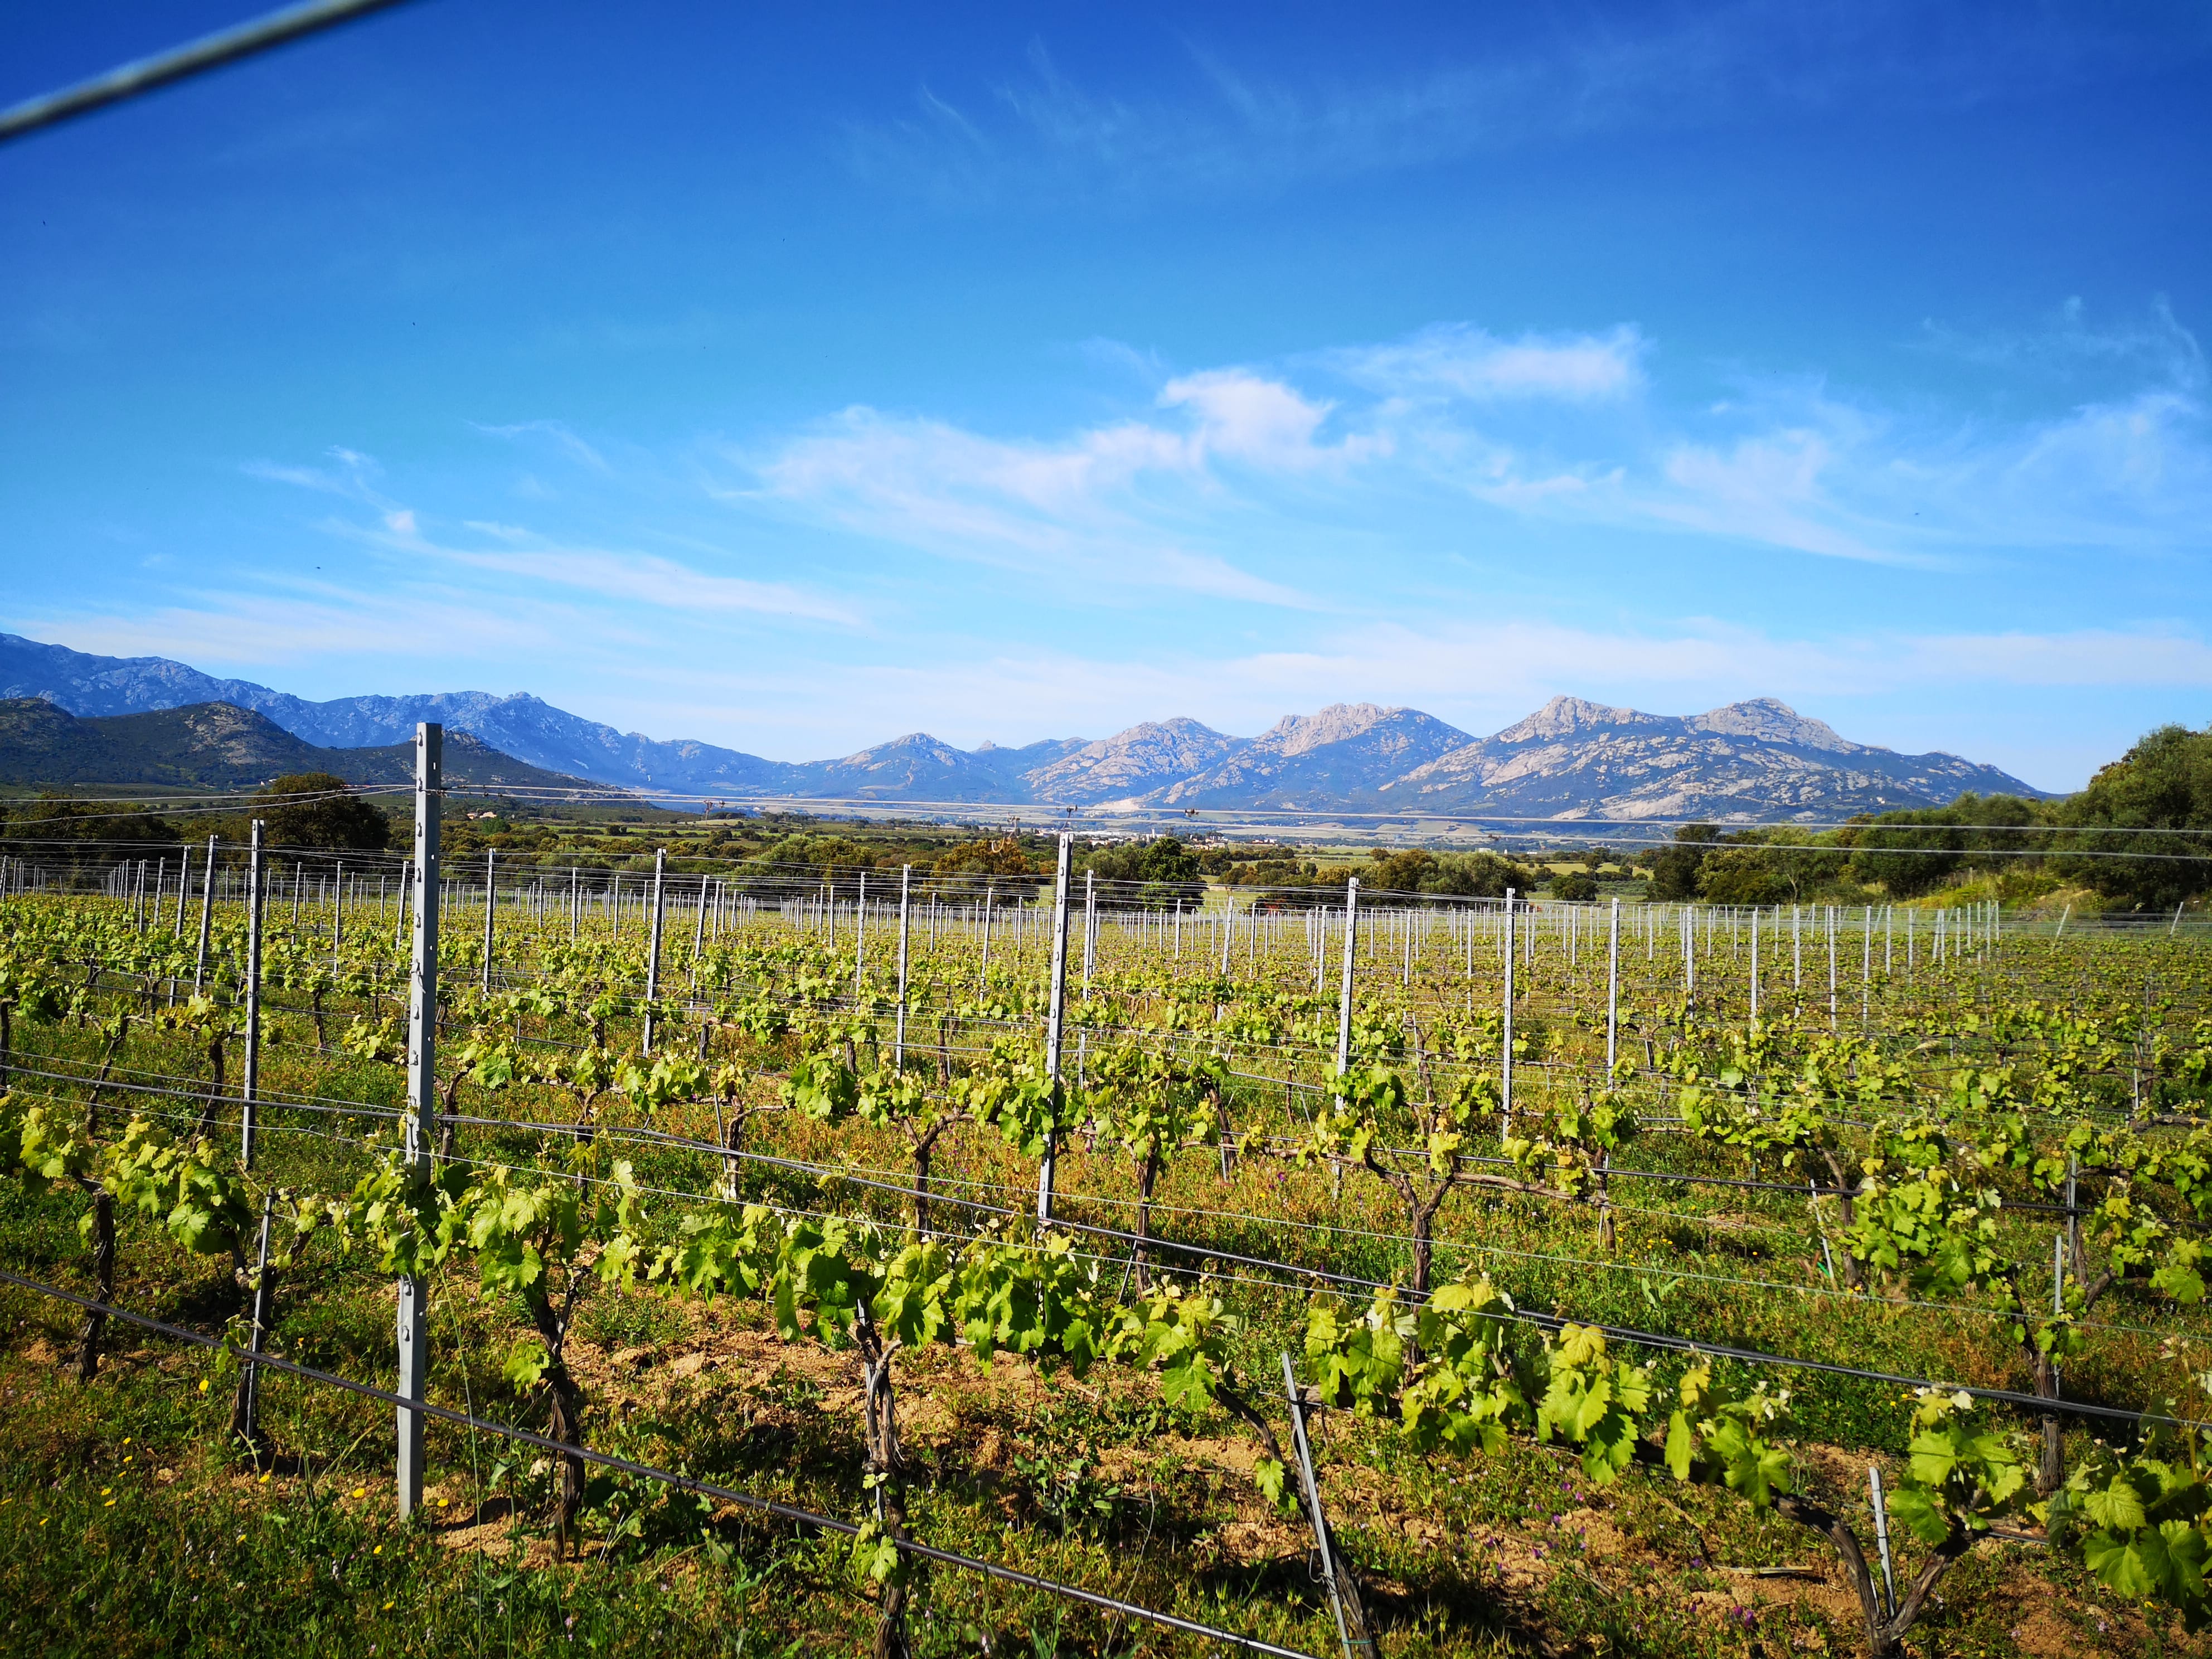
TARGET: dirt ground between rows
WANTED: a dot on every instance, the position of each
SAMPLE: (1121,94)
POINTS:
(942,1394)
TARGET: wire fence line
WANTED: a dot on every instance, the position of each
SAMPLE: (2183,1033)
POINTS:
(670,1478)
(1285,1275)
(813,911)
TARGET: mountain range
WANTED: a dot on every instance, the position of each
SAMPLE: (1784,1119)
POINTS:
(219,745)
(1571,759)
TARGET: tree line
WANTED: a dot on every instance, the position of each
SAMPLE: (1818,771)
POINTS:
(2153,805)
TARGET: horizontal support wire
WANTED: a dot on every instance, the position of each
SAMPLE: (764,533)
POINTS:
(1428,905)
(669,1477)
(1312,1275)
(1273,1145)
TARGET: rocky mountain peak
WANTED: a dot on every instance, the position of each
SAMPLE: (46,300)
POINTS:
(1144,757)
(1295,734)
(1563,717)
(1769,720)
(916,747)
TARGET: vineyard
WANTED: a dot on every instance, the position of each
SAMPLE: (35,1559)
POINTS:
(754,1259)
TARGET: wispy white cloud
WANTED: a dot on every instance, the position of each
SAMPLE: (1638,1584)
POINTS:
(252,632)
(1072,505)
(644,579)
(2070,341)
(1248,417)
(1458,360)
(2164,657)
(1043,131)
(353,477)
(1772,488)
(1561,428)
(562,435)
(504,532)
(641,578)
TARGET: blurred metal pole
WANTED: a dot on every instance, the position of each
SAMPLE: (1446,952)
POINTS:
(210,51)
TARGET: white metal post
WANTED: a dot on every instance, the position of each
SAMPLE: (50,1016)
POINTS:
(1056,997)
(422,1092)
(249,1080)
(1344,987)
(1881,1539)
(698,932)
(1314,1512)
(1834,910)
(859,938)
(207,907)
(1754,965)
(1612,994)
(990,909)
(898,1041)
(1091,928)
(1505,1048)
(1866,972)
(490,890)
(652,949)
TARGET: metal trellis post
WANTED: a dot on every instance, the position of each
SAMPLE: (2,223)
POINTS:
(899,1040)
(1314,1513)
(1881,1540)
(491,891)
(698,932)
(249,1394)
(1057,995)
(653,948)
(859,938)
(207,909)
(1613,992)
(421,1092)
(1505,1047)
(1090,929)
(249,1082)
(1344,987)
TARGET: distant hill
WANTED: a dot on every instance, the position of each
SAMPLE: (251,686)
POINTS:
(217,746)
(1570,759)
(1759,758)
(1130,766)
(1342,755)
(532,730)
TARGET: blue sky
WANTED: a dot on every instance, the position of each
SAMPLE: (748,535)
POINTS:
(796,377)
